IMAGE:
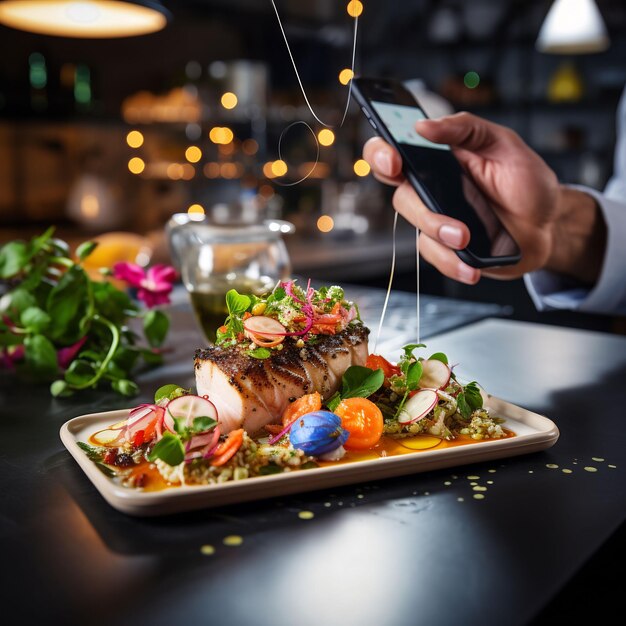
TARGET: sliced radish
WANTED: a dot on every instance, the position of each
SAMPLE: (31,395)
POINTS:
(142,418)
(264,331)
(189,407)
(418,406)
(435,374)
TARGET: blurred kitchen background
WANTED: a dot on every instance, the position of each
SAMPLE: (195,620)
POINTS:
(111,136)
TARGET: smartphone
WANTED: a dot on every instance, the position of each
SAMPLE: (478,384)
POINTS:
(434,172)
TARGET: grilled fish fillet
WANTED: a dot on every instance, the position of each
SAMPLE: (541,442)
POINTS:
(250,393)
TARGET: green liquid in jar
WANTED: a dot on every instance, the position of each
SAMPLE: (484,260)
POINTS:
(210,306)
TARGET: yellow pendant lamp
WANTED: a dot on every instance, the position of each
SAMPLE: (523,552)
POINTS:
(98,19)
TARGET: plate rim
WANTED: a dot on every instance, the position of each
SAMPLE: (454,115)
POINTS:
(192,497)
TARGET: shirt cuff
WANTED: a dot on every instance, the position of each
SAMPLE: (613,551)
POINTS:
(553,291)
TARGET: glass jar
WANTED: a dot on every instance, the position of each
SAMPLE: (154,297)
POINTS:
(214,258)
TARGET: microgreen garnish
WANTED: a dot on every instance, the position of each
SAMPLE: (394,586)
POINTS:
(168,449)
(357,382)
(469,399)
(169,392)
(301,313)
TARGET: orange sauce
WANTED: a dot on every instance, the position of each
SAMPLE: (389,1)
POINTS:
(152,480)
(388,446)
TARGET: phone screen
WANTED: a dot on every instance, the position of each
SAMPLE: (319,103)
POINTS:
(443,179)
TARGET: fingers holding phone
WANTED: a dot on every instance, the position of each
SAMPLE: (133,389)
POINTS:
(385,161)
(440,235)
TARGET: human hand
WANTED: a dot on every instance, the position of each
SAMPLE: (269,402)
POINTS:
(522,189)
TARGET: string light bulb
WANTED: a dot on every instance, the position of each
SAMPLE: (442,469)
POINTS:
(354,8)
(326,137)
(279,168)
(345,76)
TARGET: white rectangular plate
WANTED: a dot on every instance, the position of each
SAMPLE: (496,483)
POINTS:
(534,432)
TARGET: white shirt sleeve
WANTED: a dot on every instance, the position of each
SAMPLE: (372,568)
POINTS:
(553,291)
(608,295)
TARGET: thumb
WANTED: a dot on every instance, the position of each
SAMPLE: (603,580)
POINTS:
(466,131)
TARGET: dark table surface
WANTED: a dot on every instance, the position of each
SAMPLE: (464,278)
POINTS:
(412,550)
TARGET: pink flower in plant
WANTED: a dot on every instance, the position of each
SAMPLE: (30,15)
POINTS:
(153,286)
(10,356)
(66,355)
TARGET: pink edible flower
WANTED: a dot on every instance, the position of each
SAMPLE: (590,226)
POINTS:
(10,356)
(153,286)
(66,355)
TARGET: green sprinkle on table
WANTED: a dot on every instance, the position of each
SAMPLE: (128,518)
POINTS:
(232,540)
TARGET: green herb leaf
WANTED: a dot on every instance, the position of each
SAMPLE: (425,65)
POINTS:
(155,326)
(34,319)
(473,395)
(80,372)
(60,389)
(361,382)
(463,407)
(413,375)
(67,305)
(169,449)
(333,402)
(276,296)
(85,249)
(93,454)
(40,355)
(13,258)
(202,423)
(168,391)
(19,300)
(439,356)
(259,353)
(237,303)
(410,347)
(125,387)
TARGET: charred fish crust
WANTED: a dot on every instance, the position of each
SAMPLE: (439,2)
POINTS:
(280,371)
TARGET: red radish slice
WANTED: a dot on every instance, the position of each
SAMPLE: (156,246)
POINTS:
(141,418)
(264,331)
(190,407)
(435,374)
(418,406)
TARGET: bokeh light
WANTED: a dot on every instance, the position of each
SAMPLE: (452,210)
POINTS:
(325,223)
(134,139)
(193,154)
(250,147)
(355,8)
(221,135)
(471,80)
(279,168)
(229,100)
(345,76)
(326,137)
(136,165)
(196,209)
(361,167)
